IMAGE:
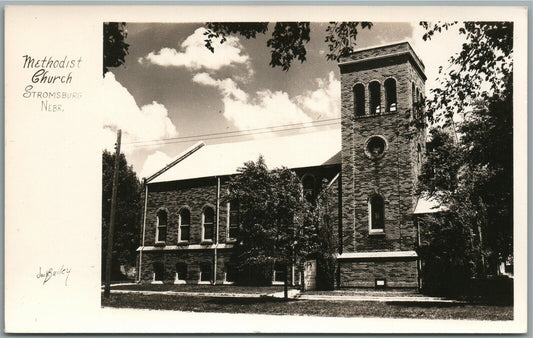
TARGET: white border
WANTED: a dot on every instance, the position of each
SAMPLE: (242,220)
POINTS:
(73,312)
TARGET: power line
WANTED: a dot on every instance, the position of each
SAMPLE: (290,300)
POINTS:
(234,131)
(227,136)
(237,133)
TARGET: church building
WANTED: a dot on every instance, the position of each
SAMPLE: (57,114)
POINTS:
(371,165)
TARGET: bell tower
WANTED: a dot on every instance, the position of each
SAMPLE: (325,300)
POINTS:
(382,148)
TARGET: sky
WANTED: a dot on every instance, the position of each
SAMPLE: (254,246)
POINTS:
(173,92)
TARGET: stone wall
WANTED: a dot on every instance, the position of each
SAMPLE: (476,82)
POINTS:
(398,273)
(393,176)
(193,259)
(195,195)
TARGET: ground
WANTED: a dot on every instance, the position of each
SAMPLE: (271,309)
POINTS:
(270,305)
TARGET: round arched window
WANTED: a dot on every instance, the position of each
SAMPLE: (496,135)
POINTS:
(375,147)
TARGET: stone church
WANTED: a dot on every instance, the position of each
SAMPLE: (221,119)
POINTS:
(371,165)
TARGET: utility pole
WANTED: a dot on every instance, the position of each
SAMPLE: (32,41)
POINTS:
(109,255)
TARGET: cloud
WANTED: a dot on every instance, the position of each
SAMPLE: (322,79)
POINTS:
(154,162)
(265,109)
(228,87)
(324,102)
(193,54)
(120,111)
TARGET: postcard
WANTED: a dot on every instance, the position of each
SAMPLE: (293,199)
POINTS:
(265,169)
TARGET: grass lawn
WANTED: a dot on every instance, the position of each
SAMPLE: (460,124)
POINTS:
(365,292)
(262,290)
(310,307)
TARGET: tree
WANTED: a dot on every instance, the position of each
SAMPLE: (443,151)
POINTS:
(287,42)
(128,213)
(288,39)
(115,47)
(327,246)
(473,177)
(477,73)
(275,228)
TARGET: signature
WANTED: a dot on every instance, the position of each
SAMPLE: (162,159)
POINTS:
(51,272)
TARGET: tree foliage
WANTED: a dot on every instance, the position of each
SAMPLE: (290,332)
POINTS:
(287,42)
(115,47)
(273,225)
(289,39)
(128,213)
(327,245)
(278,225)
(480,70)
(473,175)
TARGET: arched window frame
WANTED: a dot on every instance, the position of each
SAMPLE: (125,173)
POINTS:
(182,225)
(358,92)
(308,192)
(391,95)
(161,228)
(374,96)
(204,223)
(374,202)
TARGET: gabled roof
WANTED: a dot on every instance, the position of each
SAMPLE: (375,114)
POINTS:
(294,151)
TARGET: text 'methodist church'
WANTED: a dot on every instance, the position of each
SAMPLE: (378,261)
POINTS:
(371,165)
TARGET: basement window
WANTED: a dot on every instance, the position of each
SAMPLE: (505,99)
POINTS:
(230,274)
(279,274)
(181,273)
(159,272)
(205,274)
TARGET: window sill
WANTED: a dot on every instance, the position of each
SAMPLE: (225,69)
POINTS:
(376,233)
(231,240)
(180,281)
(159,243)
(157,282)
(375,115)
(205,283)
(183,243)
(228,283)
(277,283)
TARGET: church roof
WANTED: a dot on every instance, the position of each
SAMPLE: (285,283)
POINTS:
(294,151)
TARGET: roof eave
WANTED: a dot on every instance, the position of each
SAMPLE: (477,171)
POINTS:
(188,152)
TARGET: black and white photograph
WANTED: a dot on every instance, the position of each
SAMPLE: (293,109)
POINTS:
(266,169)
(312,168)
